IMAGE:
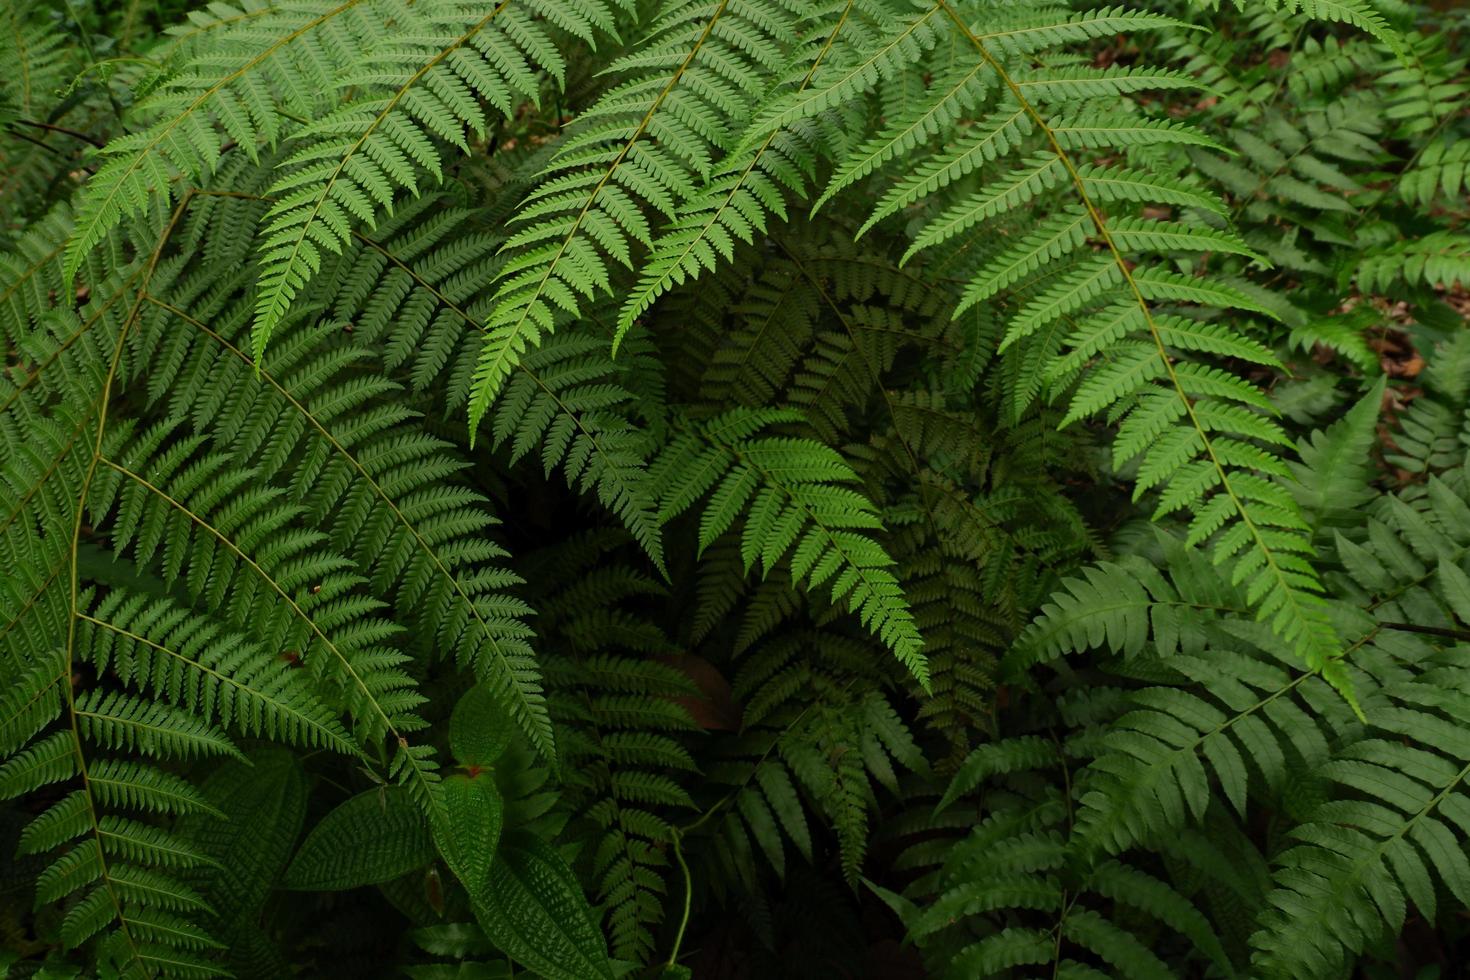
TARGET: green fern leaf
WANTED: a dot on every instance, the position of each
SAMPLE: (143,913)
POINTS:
(247,84)
(791,495)
(643,147)
(346,166)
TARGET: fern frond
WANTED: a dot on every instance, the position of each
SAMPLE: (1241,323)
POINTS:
(376,690)
(1158,766)
(376,482)
(213,675)
(620,699)
(346,167)
(1357,13)
(1439,170)
(244,89)
(1362,860)
(1125,606)
(1441,260)
(790,494)
(733,203)
(563,401)
(1333,478)
(642,148)
(1200,454)
(417,293)
(1007,896)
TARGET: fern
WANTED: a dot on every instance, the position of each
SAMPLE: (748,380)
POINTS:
(1257,529)
(1247,728)
(244,88)
(1359,859)
(1441,260)
(367,478)
(790,495)
(218,677)
(410,295)
(732,204)
(345,167)
(1440,170)
(1361,862)
(807,744)
(149,483)
(565,403)
(1355,12)
(619,698)
(638,150)
(1016,860)
(1004,459)
(257,813)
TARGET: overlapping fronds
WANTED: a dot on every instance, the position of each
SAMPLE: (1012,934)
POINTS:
(638,153)
(789,494)
(1004,458)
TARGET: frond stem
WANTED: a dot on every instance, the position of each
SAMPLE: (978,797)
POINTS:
(103,405)
(688,897)
(53,128)
(388,727)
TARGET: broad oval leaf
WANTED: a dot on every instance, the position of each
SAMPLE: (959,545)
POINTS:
(375,836)
(535,911)
(467,828)
(480,728)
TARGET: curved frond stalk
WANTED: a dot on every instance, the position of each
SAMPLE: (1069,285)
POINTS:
(129,871)
(121,872)
(490,634)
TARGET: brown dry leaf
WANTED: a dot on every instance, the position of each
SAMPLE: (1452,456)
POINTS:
(1396,354)
(1458,299)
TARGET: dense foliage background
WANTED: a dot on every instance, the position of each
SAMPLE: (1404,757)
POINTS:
(735,488)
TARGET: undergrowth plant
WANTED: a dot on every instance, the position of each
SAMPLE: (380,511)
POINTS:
(735,488)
